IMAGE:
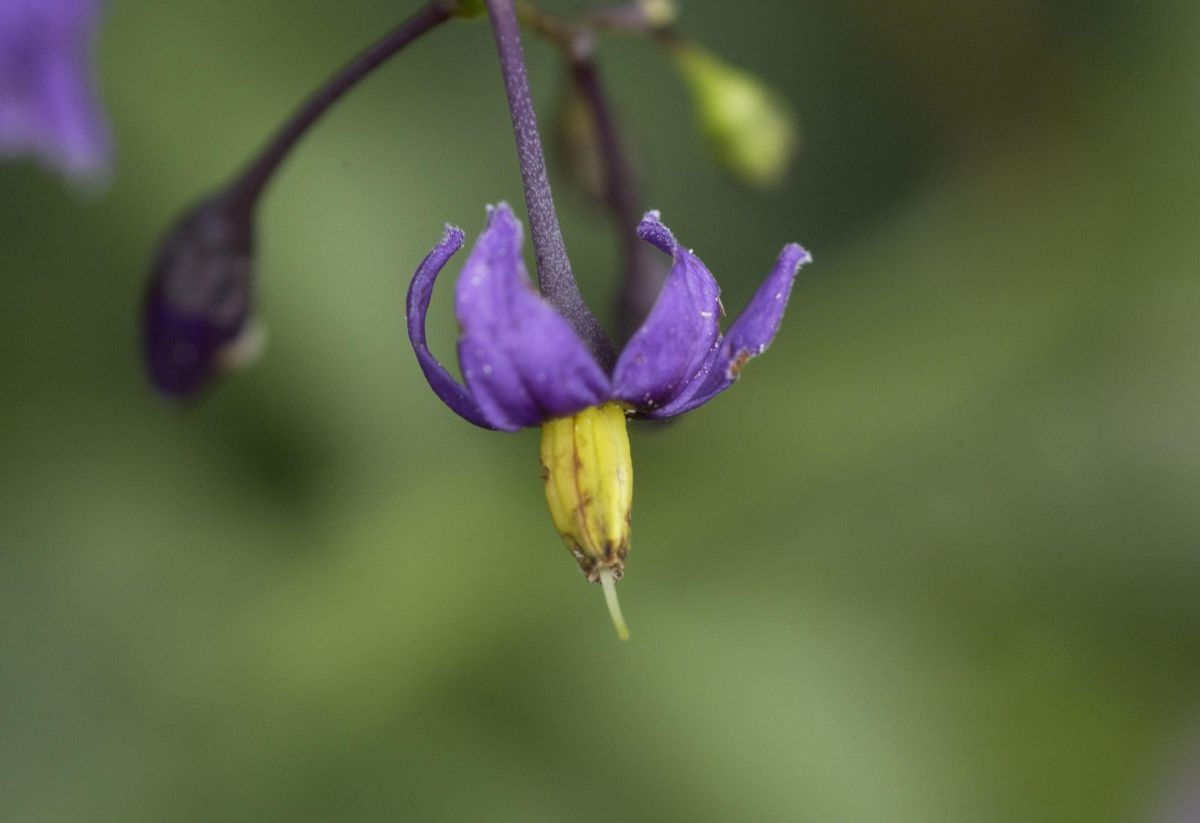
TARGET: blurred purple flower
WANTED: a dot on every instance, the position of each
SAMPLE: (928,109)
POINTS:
(48,102)
(523,364)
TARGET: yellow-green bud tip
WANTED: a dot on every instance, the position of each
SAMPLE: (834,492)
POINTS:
(609,582)
(751,129)
(659,13)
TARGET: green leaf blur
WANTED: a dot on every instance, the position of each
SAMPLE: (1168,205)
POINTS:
(935,558)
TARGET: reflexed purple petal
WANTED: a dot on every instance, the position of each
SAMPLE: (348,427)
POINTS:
(668,352)
(520,358)
(48,104)
(748,337)
(441,381)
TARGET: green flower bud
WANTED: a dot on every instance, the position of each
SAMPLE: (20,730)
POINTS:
(752,130)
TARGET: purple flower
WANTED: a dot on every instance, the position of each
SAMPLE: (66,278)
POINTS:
(48,104)
(523,364)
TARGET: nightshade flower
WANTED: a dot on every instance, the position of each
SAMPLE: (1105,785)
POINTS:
(524,365)
(48,104)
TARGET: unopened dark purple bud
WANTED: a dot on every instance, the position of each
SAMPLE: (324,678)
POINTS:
(199,296)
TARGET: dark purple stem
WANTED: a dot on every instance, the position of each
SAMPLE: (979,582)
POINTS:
(554,267)
(642,279)
(248,186)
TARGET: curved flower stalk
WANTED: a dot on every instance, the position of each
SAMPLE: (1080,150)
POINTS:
(48,103)
(524,365)
(198,314)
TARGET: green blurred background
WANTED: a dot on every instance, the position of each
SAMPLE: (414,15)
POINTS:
(935,559)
